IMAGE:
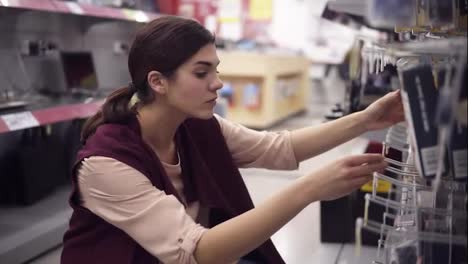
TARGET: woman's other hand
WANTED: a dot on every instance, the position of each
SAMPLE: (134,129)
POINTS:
(384,112)
(238,236)
(343,176)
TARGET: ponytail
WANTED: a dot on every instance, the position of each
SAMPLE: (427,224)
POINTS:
(115,110)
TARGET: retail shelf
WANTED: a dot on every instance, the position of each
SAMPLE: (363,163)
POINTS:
(39,117)
(454,45)
(354,7)
(88,10)
(41,5)
(82,9)
(26,232)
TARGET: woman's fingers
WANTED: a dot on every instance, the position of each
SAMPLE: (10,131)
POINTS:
(360,181)
(358,160)
(391,97)
(367,169)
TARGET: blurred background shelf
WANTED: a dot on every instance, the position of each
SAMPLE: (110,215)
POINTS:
(47,115)
(355,7)
(81,9)
(266,89)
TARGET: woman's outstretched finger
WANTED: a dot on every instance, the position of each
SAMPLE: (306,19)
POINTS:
(367,169)
(363,159)
(359,181)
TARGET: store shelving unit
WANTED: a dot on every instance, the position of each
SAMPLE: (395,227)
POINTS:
(281,80)
(53,114)
(81,9)
(425,209)
(355,7)
(27,231)
(46,116)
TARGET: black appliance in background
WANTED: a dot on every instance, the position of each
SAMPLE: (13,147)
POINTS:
(338,217)
(336,220)
(79,70)
(62,73)
(38,162)
(34,168)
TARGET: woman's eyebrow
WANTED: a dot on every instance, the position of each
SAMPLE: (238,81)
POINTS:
(207,63)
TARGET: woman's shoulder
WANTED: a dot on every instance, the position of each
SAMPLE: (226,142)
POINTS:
(110,175)
(117,141)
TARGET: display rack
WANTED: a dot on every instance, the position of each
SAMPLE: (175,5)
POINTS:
(425,210)
(425,197)
(265,88)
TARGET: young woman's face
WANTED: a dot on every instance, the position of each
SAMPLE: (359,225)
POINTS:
(193,90)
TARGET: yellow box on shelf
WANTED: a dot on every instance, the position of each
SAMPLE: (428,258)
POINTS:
(382,187)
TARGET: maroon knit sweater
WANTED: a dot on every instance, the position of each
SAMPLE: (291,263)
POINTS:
(209,175)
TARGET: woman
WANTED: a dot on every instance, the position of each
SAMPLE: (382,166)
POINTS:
(157,179)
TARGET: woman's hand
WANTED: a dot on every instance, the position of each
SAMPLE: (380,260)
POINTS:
(238,236)
(384,112)
(344,176)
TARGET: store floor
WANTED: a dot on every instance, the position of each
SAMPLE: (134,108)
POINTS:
(299,241)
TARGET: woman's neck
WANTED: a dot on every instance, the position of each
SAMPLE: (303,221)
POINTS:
(158,127)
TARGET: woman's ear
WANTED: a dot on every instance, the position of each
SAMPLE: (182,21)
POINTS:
(157,82)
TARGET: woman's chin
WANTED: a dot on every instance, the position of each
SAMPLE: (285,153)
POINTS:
(205,115)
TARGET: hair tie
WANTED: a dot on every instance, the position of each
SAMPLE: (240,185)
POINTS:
(134,99)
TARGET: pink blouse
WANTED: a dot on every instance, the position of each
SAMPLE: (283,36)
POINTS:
(125,198)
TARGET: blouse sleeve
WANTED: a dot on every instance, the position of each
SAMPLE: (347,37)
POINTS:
(258,149)
(126,199)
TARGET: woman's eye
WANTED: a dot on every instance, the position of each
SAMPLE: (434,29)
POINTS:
(201,75)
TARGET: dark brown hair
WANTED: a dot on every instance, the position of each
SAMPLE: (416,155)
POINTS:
(161,45)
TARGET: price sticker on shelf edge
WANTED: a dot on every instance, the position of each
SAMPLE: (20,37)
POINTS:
(21,120)
(135,15)
(4,3)
(129,14)
(74,8)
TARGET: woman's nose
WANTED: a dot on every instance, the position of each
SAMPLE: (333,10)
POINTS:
(217,84)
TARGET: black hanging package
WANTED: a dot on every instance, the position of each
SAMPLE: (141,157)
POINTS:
(420,97)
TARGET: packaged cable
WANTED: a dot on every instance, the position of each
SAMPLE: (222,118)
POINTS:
(420,97)
(441,13)
(458,143)
(403,13)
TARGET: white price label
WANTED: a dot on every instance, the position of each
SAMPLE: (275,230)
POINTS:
(460,163)
(20,120)
(430,156)
(74,8)
(14,3)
